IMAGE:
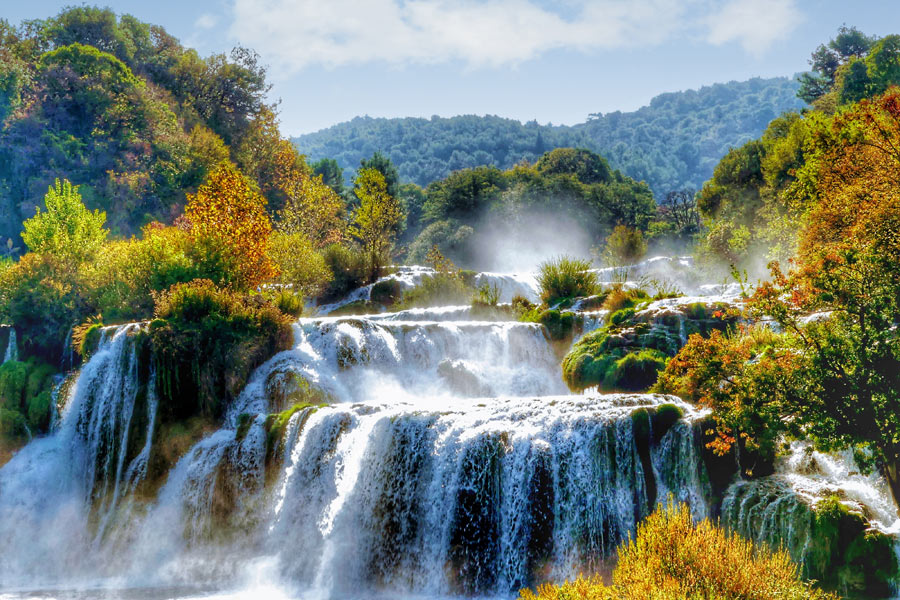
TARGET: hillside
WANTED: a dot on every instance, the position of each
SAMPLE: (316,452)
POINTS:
(674,142)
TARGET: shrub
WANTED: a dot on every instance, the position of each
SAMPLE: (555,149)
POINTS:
(386,292)
(349,270)
(38,295)
(619,298)
(673,558)
(624,246)
(564,278)
(25,389)
(298,264)
(489,294)
(437,290)
(288,302)
(120,282)
(635,371)
(206,342)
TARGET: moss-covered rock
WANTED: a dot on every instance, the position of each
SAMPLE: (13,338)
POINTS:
(633,347)
(357,307)
(386,292)
(205,344)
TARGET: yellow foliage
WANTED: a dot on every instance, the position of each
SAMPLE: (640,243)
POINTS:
(673,558)
(311,207)
(228,223)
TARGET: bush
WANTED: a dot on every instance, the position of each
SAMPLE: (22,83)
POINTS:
(618,298)
(386,292)
(635,371)
(565,278)
(206,342)
(437,290)
(38,295)
(349,268)
(624,246)
(120,282)
(288,302)
(25,389)
(299,265)
(673,558)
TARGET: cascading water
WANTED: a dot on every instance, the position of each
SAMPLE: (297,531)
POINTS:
(450,461)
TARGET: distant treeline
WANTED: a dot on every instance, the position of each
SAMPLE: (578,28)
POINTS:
(673,143)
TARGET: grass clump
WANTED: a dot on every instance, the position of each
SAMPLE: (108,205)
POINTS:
(673,558)
(619,298)
(442,288)
(206,342)
(560,325)
(565,278)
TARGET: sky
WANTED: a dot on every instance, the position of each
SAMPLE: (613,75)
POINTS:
(553,61)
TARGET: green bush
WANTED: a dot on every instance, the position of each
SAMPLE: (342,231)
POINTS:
(13,379)
(621,316)
(386,292)
(636,371)
(436,290)
(206,342)
(288,302)
(566,278)
(349,267)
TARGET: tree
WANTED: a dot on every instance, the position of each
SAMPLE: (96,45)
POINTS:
(67,229)
(377,218)
(583,164)
(230,228)
(332,174)
(827,60)
(680,208)
(383,165)
(299,265)
(624,246)
(310,206)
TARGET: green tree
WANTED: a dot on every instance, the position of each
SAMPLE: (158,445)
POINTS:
(377,219)
(67,229)
(583,164)
(383,165)
(332,174)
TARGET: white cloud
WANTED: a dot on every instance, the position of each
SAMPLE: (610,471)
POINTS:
(755,24)
(293,34)
(206,21)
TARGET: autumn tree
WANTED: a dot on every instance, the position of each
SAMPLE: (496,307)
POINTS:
(377,218)
(843,386)
(230,228)
(311,207)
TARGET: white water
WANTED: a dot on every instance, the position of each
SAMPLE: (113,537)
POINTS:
(454,462)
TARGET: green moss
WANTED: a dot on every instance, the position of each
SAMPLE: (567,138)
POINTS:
(845,554)
(594,361)
(664,417)
(560,325)
(357,307)
(91,340)
(39,410)
(206,342)
(277,422)
(13,379)
(620,317)
(636,371)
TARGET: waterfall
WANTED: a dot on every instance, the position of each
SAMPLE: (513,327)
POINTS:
(54,487)
(12,348)
(449,460)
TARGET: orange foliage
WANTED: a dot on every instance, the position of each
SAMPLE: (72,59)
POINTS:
(228,220)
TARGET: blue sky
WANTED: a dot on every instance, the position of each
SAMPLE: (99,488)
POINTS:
(331,60)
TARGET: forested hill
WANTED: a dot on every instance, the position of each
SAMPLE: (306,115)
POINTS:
(674,142)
